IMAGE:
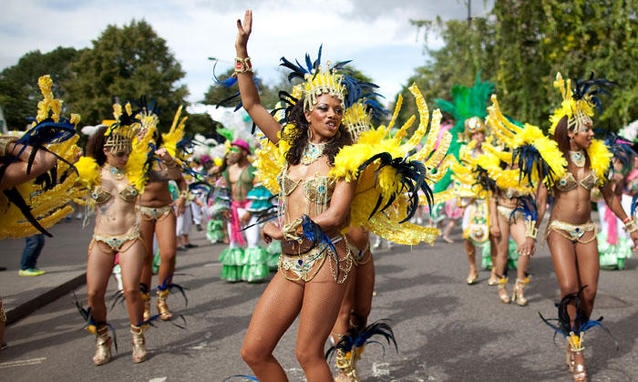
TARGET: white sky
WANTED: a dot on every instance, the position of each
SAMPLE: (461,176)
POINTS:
(375,34)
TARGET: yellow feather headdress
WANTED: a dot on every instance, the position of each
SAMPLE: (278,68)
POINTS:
(578,102)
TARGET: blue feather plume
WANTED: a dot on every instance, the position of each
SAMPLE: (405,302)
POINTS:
(357,338)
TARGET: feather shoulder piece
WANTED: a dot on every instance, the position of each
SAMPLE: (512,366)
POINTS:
(176,133)
(36,205)
(537,155)
(600,159)
(140,160)
(389,178)
(270,160)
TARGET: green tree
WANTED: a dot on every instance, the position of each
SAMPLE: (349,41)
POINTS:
(19,91)
(467,49)
(523,44)
(125,64)
(217,92)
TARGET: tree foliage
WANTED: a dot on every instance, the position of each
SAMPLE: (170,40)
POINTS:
(19,91)
(218,93)
(466,50)
(125,64)
(521,46)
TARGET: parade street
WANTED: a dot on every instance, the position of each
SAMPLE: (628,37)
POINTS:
(446,330)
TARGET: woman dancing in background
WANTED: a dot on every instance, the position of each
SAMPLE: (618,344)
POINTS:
(114,175)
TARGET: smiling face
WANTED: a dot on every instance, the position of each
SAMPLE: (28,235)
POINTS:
(325,118)
(582,136)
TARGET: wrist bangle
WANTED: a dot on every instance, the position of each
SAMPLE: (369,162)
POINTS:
(530,229)
(242,65)
(631,226)
(626,220)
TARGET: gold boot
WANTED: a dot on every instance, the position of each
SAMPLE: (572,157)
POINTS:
(518,295)
(139,344)
(346,366)
(502,290)
(577,364)
(162,307)
(146,298)
(102,346)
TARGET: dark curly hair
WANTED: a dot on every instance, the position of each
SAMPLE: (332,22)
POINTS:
(298,137)
(95,145)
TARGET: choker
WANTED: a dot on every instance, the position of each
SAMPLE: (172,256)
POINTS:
(577,157)
(312,152)
(117,173)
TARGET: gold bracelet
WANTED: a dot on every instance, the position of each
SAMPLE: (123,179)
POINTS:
(5,141)
(242,65)
(530,229)
(631,226)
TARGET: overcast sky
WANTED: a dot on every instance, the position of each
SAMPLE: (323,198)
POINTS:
(375,34)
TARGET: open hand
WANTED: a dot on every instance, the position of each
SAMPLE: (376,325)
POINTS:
(244,29)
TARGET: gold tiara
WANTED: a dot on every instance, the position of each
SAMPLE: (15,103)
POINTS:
(322,80)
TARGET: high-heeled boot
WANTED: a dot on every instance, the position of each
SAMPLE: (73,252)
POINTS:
(146,299)
(139,344)
(102,346)
(502,290)
(577,350)
(162,306)
(518,295)
(346,366)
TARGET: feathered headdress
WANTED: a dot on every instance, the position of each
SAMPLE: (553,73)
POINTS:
(316,79)
(466,103)
(119,135)
(578,104)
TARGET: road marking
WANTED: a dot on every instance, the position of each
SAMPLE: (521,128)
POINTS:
(25,362)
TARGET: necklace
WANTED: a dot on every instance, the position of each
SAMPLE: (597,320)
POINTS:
(312,152)
(117,173)
(578,157)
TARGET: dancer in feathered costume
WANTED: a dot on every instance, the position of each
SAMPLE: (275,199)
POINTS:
(513,205)
(469,108)
(37,187)
(37,177)
(569,166)
(244,259)
(158,210)
(114,173)
(317,199)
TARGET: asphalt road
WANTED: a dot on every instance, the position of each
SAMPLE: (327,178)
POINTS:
(445,329)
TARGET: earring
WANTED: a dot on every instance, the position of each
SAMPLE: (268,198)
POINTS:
(309,133)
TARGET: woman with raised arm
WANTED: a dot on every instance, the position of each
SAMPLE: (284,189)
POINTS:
(314,208)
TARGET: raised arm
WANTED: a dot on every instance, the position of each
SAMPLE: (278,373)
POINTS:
(247,89)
